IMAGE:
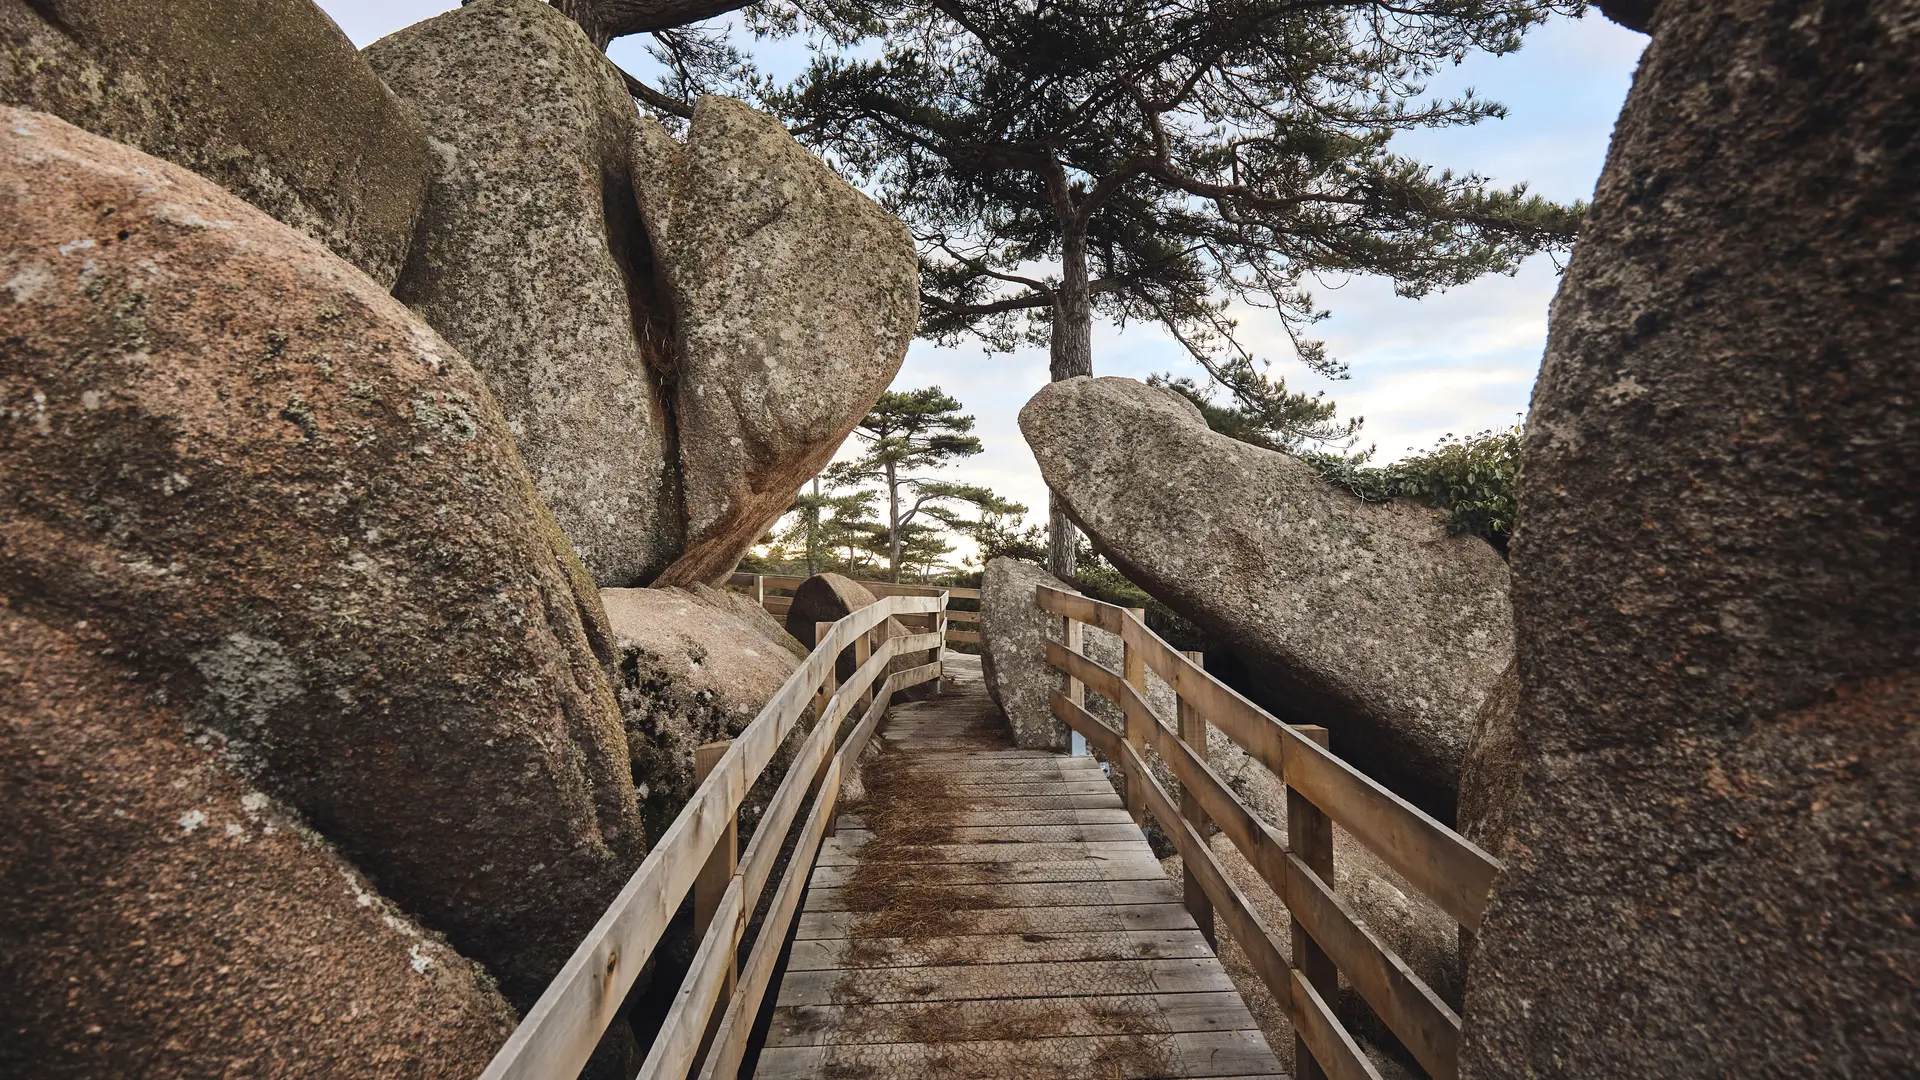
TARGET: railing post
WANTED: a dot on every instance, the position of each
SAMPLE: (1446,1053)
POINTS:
(820,698)
(721,865)
(1133,666)
(1310,836)
(862,652)
(760,589)
(1193,732)
(940,650)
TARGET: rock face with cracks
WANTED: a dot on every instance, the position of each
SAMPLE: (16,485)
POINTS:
(693,666)
(297,511)
(1013,642)
(530,258)
(1712,867)
(267,99)
(794,298)
(1366,618)
(163,919)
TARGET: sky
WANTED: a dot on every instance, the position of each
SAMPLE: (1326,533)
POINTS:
(1449,363)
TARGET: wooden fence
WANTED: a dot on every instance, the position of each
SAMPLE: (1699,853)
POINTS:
(699,853)
(1321,789)
(775,593)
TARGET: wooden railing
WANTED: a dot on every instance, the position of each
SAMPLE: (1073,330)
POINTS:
(1321,789)
(775,593)
(698,853)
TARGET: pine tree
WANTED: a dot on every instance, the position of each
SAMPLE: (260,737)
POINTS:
(905,436)
(1162,160)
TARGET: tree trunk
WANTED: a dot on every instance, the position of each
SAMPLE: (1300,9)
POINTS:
(1711,867)
(813,531)
(1072,348)
(893,524)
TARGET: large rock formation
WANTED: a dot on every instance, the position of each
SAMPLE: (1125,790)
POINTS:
(160,919)
(268,99)
(694,666)
(794,300)
(531,259)
(297,511)
(1712,869)
(1013,642)
(1364,617)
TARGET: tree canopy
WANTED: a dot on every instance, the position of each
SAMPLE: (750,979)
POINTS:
(1162,161)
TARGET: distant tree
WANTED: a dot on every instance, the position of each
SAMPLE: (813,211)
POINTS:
(905,437)
(1284,422)
(1161,160)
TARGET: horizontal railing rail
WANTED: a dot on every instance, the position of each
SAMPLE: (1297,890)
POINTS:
(696,854)
(767,590)
(1322,790)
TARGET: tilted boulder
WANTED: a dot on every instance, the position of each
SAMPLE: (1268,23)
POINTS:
(794,299)
(1013,640)
(262,480)
(1366,618)
(530,258)
(161,919)
(1712,867)
(267,99)
(694,666)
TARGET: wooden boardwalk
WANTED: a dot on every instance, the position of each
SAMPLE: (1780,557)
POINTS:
(991,912)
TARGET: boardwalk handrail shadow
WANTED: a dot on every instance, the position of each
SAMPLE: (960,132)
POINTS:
(560,1032)
(1321,789)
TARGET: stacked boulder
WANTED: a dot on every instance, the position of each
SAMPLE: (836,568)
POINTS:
(691,666)
(679,335)
(291,616)
(219,439)
(1366,618)
(268,99)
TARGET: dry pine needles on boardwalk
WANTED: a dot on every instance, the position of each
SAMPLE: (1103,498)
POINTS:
(992,912)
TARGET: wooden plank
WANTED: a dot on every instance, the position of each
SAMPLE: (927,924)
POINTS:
(1109,1057)
(1143,867)
(1223,1055)
(1193,734)
(955,982)
(1036,894)
(913,643)
(562,1029)
(988,787)
(995,818)
(1310,839)
(846,851)
(969,636)
(1449,869)
(685,1027)
(1429,1029)
(730,1039)
(1058,920)
(832,954)
(1332,1048)
(1042,834)
(716,877)
(1007,803)
(560,1032)
(968,1021)
(1098,735)
(1255,938)
(1441,863)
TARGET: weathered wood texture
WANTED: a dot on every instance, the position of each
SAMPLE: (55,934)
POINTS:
(1328,940)
(561,1030)
(994,912)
